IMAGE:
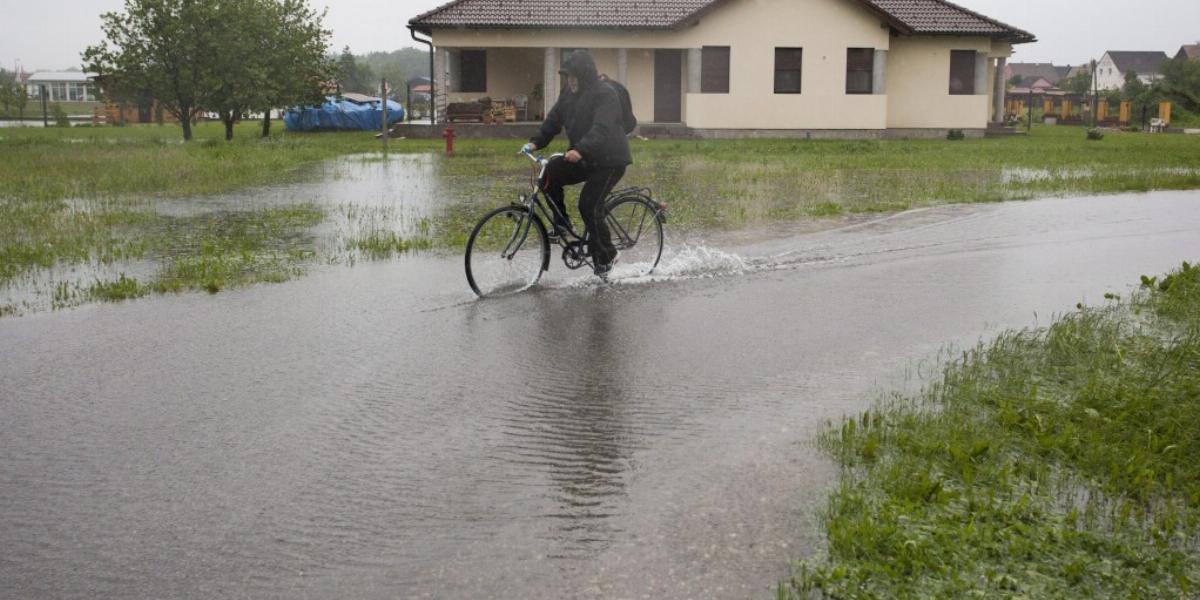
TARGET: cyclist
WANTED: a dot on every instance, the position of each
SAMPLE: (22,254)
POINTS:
(591,113)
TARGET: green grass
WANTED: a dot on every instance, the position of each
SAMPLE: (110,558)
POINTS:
(1054,463)
(92,195)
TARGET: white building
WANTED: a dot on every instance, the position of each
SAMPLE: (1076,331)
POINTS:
(61,86)
(1111,70)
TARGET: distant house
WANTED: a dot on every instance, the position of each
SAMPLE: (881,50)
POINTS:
(1085,69)
(728,68)
(1189,51)
(61,86)
(1031,73)
(1111,70)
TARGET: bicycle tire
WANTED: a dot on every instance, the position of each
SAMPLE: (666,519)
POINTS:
(636,231)
(501,258)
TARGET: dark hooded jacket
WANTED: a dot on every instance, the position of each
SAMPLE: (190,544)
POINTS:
(592,117)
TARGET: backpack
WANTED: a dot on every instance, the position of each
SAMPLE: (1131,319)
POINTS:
(628,120)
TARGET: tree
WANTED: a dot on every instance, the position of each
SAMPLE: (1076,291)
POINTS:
(227,56)
(1079,83)
(1015,81)
(1181,82)
(164,47)
(6,93)
(20,99)
(354,76)
(1142,96)
(297,63)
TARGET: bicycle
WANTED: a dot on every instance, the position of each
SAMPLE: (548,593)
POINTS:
(509,248)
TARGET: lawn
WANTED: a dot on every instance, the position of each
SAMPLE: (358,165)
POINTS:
(92,196)
(1052,463)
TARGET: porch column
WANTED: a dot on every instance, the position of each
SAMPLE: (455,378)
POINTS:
(549,80)
(623,66)
(441,84)
(998,92)
(693,67)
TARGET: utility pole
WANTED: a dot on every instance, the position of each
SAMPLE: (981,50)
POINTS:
(1029,110)
(383,104)
(45,116)
(1095,94)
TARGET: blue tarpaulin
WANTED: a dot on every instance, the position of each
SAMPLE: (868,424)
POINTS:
(341,114)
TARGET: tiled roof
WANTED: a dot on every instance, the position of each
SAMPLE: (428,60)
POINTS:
(614,14)
(1191,51)
(926,17)
(938,17)
(1033,71)
(1142,63)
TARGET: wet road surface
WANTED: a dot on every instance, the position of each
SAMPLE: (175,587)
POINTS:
(373,432)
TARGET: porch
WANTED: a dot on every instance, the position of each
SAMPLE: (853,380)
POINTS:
(524,82)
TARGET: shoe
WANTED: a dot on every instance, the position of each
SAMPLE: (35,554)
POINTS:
(602,271)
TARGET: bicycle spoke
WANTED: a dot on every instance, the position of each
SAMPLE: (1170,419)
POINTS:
(505,253)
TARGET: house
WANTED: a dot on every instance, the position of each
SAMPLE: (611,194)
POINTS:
(717,68)
(61,86)
(1111,70)
(1189,51)
(1085,69)
(1030,73)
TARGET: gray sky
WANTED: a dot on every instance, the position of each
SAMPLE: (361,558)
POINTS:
(50,34)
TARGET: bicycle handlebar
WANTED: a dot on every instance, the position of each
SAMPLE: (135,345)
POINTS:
(538,159)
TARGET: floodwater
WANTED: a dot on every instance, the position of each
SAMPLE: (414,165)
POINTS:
(375,432)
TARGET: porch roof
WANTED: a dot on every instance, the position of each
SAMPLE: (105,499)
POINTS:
(913,17)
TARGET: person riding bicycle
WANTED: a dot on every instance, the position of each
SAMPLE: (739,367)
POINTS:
(590,110)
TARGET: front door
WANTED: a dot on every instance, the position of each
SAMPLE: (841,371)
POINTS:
(668,86)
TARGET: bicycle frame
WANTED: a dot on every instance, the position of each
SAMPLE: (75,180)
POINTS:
(577,244)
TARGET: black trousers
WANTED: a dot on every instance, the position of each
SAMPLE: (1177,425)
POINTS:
(597,183)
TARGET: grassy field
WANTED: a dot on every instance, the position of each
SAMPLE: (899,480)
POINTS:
(91,195)
(1055,463)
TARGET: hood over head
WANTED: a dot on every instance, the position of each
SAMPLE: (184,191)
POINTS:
(582,66)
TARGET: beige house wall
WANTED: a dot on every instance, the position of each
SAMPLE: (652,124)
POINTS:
(919,85)
(917,68)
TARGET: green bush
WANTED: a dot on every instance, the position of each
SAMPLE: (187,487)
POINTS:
(60,116)
(956,134)
(1094,134)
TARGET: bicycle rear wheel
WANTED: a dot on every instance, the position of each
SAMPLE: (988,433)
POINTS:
(636,231)
(507,252)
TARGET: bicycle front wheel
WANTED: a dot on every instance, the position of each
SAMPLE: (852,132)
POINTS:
(507,252)
(636,231)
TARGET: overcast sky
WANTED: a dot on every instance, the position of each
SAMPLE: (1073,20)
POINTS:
(50,34)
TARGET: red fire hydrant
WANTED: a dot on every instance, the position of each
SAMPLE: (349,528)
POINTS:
(448,133)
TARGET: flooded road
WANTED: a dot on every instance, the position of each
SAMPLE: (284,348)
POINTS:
(374,432)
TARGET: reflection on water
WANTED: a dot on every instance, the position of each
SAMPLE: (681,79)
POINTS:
(571,421)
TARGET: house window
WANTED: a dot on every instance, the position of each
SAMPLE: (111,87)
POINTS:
(962,72)
(860,66)
(788,63)
(714,70)
(472,69)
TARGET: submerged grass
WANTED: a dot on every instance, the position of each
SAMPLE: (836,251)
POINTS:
(1054,463)
(85,196)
